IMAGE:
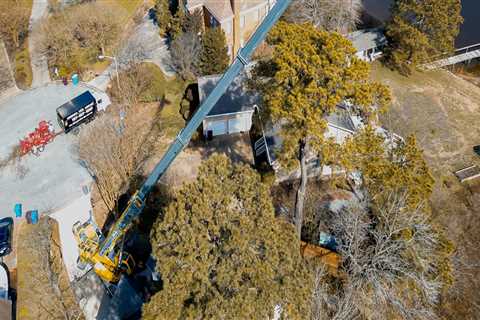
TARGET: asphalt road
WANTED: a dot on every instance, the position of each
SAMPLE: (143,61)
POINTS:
(55,178)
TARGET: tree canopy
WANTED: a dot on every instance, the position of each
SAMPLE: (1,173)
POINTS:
(163,16)
(214,57)
(421,30)
(223,253)
(331,15)
(310,74)
(388,166)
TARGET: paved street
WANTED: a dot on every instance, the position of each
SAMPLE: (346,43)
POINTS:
(53,179)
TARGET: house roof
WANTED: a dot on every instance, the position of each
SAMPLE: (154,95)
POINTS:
(367,39)
(248,4)
(220,9)
(236,99)
(341,125)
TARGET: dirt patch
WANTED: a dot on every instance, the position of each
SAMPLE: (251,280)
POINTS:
(443,111)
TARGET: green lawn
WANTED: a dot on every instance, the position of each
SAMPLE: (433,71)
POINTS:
(170,92)
(130,5)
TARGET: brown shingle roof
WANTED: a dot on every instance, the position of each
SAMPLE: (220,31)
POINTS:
(247,4)
(220,9)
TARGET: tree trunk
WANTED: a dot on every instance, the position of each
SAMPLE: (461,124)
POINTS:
(300,200)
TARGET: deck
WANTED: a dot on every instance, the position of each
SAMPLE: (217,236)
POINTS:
(461,55)
(468,173)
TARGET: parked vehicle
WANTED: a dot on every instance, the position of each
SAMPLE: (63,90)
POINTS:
(3,282)
(6,232)
(5,302)
(80,109)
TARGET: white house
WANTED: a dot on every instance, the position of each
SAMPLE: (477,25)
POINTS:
(369,43)
(341,125)
(233,112)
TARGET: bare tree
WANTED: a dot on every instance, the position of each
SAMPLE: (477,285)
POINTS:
(110,154)
(74,33)
(134,80)
(392,258)
(97,23)
(13,22)
(185,50)
(331,15)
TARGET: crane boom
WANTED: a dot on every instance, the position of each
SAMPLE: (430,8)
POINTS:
(108,247)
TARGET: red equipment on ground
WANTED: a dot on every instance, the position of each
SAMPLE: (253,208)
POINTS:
(36,141)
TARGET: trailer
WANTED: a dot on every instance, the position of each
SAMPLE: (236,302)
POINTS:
(36,141)
(79,110)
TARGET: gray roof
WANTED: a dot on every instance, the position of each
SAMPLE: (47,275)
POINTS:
(236,99)
(367,39)
(340,125)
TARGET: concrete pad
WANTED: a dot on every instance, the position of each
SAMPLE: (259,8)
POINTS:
(78,210)
(91,295)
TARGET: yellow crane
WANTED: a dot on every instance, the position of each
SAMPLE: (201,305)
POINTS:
(105,254)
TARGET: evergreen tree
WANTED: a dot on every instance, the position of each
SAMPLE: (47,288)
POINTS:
(420,30)
(163,16)
(178,21)
(222,253)
(399,168)
(214,55)
(311,72)
(194,22)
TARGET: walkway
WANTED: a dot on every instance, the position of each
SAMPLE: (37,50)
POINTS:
(38,59)
(463,54)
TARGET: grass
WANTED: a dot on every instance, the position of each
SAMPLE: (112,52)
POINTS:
(23,67)
(129,5)
(442,110)
(37,248)
(171,91)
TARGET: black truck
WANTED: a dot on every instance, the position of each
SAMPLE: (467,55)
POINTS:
(80,109)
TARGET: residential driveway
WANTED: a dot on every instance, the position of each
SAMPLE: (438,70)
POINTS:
(143,45)
(53,179)
(38,59)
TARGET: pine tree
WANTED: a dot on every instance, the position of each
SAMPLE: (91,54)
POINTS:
(311,72)
(194,22)
(178,21)
(163,16)
(214,57)
(400,168)
(222,253)
(420,30)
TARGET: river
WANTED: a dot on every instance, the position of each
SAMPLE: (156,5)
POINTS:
(469,32)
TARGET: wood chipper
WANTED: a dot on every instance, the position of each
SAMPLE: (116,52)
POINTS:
(36,141)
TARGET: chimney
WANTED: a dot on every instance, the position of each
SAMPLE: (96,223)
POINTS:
(237,32)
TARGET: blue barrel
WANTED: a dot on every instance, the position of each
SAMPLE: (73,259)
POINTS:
(18,210)
(34,216)
(75,79)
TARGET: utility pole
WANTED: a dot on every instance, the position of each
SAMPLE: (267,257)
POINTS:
(101,57)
